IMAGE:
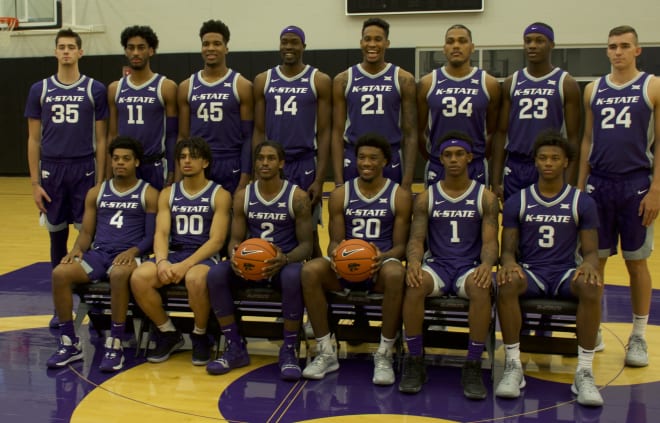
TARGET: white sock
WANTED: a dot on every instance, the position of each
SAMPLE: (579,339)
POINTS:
(167,326)
(386,344)
(199,331)
(325,344)
(639,324)
(585,359)
(512,352)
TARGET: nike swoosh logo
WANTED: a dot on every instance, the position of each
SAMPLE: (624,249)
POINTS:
(480,175)
(252,203)
(440,82)
(157,164)
(347,253)
(89,173)
(309,172)
(196,86)
(439,202)
(235,170)
(531,206)
(642,191)
(357,78)
(395,165)
(51,89)
(107,195)
(352,201)
(124,90)
(274,79)
(178,198)
(600,90)
(520,82)
(245,252)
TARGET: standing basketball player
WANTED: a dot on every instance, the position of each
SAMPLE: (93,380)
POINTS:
(536,98)
(191,226)
(117,229)
(292,107)
(373,208)
(67,123)
(374,96)
(618,169)
(143,106)
(216,104)
(457,97)
(278,211)
(457,218)
(547,226)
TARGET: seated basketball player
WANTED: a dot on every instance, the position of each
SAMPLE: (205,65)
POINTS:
(278,211)
(117,229)
(457,217)
(376,209)
(191,226)
(546,226)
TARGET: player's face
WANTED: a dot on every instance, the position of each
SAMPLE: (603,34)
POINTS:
(373,43)
(190,165)
(291,49)
(267,163)
(370,163)
(67,51)
(551,162)
(214,49)
(455,160)
(138,53)
(458,47)
(124,163)
(622,50)
(538,47)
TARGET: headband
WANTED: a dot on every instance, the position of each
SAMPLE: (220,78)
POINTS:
(292,29)
(453,142)
(540,29)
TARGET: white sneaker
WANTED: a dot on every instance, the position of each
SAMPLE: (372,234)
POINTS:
(513,380)
(383,372)
(323,363)
(636,354)
(585,389)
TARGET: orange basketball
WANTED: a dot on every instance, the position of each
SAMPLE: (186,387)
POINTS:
(353,259)
(251,256)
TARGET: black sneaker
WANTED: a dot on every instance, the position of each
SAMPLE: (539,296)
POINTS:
(166,344)
(201,349)
(471,380)
(413,375)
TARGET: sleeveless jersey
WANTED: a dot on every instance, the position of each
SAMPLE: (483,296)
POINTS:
(457,104)
(215,113)
(141,113)
(370,219)
(120,217)
(622,122)
(191,216)
(549,227)
(537,104)
(291,111)
(273,220)
(68,115)
(454,224)
(373,104)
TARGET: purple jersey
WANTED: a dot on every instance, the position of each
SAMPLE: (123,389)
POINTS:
(622,122)
(272,220)
(141,113)
(537,104)
(120,217)
(457,104)
(454,224)
(370,219)
(191,216)
(548,228)
(291,111)
(215,113)
(68,115)
(373,104)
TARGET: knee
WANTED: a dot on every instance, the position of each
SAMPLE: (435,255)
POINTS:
(141,279)
(59,279)
(195,280)
(119,277)
(311,271)
(394,276)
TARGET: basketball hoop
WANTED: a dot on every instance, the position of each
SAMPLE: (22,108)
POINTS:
(7,25)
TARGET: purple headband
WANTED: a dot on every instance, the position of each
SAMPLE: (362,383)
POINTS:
(540,29)
(455,143)
(292,29)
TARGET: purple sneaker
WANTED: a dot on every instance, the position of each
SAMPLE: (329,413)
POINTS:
(289,364)
(113,358)
(235,356)
(66,353)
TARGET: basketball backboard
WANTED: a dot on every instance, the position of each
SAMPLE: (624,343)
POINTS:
(33,14)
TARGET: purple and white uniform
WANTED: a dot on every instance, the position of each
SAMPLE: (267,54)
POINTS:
(215,115)
(373,104)
(68,115)
(141,114)
(273,220)
(537,104)
(457,104)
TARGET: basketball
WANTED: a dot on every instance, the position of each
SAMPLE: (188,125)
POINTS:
(353,259)
(251,256)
